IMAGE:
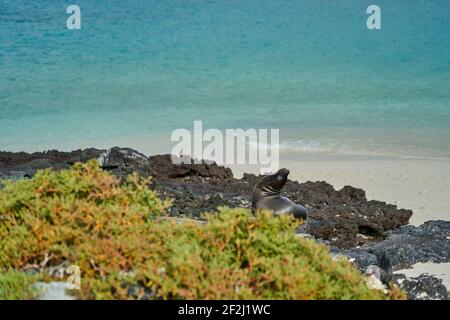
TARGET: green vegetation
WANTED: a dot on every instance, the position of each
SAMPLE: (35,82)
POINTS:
(118,234)
(16,286)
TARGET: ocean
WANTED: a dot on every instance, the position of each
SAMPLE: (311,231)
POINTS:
(137,70)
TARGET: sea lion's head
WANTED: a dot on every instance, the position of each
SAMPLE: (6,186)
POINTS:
(272,184)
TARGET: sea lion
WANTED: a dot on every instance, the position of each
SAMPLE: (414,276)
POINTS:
(266,196)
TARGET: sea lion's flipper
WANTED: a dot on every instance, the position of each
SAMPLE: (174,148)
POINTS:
(300,212)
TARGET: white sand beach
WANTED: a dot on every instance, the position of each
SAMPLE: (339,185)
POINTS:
(420,185)
(440,270)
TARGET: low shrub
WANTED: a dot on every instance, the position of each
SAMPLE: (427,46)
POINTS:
(16,286)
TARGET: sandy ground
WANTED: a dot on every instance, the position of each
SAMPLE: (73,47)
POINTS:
(440,270)
(420,185)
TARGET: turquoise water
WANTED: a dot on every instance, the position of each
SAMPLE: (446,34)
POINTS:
(311,68)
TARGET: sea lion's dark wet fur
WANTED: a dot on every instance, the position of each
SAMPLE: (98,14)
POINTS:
(266,196)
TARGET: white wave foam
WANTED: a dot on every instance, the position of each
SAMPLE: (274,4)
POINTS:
(307,146)
(314,146)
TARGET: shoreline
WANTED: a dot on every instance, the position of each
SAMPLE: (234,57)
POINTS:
(419,185)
